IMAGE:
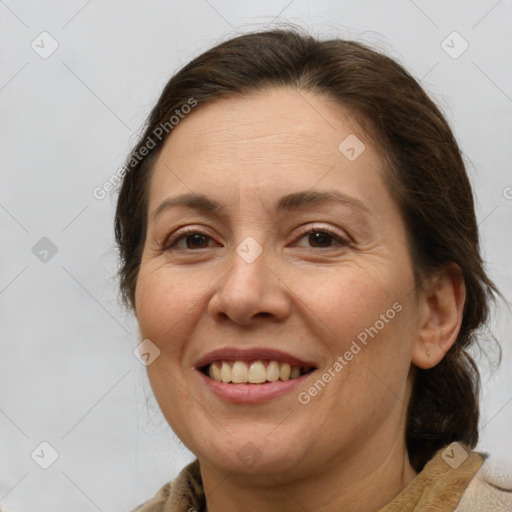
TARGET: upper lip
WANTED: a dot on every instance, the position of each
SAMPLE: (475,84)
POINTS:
(232,354)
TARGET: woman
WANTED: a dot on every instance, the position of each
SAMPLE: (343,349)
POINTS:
(299,245)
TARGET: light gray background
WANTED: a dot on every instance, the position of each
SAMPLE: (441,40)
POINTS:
(68,375)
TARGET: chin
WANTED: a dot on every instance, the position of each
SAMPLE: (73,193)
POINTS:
(255,456)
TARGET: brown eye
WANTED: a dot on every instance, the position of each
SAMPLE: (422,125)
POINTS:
(323,238)
(320,237)
(193,240)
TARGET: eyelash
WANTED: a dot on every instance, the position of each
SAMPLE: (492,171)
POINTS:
(172,241)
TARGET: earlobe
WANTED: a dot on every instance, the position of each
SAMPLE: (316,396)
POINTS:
(442,301)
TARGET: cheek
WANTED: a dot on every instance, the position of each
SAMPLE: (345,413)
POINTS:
(161,309)
(350,301)
(153,299)
(369,325)
(164,299)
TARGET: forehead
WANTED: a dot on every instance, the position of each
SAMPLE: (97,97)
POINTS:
(252,123)
(274,140)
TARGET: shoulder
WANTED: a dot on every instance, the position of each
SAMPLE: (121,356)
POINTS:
(490,490)
(157,502)
(182,494)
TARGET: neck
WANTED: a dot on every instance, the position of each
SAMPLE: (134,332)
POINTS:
(365,481)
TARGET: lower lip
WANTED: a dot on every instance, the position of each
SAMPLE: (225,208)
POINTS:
(253,393)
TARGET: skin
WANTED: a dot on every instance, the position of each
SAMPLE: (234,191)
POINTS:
(345,449)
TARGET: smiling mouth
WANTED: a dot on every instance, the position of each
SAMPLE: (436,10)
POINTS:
(259,371)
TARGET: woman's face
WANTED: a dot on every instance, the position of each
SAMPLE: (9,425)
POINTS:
(303,262)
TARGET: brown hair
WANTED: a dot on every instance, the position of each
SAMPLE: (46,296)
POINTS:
(424,171)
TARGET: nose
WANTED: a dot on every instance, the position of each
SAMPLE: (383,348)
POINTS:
(251,290)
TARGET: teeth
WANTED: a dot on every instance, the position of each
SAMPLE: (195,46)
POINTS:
(239,372)
(273,371)
(257,372)
(225,372)
(284,371)
(215,372)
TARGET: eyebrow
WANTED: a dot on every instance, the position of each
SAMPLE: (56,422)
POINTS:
(290,202)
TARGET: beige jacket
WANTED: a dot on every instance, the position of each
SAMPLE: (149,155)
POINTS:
(472,486)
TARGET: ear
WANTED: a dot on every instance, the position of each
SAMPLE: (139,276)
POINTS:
(441,305)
